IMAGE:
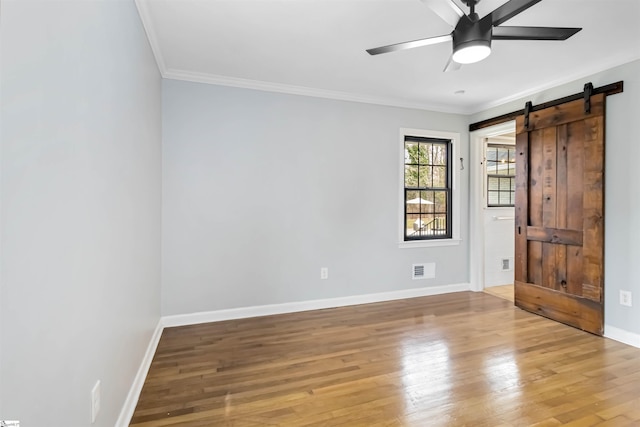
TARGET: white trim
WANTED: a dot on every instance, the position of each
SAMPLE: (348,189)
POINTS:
(622,336)
(294,307)
(147,24)
(568,78)
(455,190)
(429,243)
(477,202)
(131,401)
(219,80)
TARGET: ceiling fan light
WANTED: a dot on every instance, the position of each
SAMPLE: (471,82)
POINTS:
(471,52)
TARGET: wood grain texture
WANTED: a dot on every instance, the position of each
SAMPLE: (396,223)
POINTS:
(463,359)
(572,310)
(563,114)
(521,210)
(555,235)
(564,201)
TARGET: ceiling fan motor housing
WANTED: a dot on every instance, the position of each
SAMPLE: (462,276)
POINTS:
(472,31)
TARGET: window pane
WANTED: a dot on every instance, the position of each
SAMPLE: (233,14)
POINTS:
(413,224)
(492,154)
(412,207)
(505,184)
(439,157)
(411,152)
(491,167)
(505,198)
(439,177)
(502,168)
(493,198)
(425,154)
(411,176)
(426,201)
(425,176)
(440,202)
(493,183)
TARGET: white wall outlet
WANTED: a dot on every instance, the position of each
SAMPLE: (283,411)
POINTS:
(95,401)
(625,298)
(324,273)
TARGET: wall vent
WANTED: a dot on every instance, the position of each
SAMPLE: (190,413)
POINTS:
(505,264)
(423,271)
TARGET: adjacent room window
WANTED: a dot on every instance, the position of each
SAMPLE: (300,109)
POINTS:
(427,188)
(501,172)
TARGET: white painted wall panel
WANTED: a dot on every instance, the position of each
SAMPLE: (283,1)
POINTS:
(261,190)
(80,219)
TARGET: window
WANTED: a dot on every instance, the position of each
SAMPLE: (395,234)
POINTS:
(501,171)
(427,188)
(428,197)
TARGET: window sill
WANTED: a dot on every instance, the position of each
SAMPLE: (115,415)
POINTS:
(429,243)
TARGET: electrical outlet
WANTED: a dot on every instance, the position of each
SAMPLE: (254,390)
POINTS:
(95,401)
(625,298)
(324,273)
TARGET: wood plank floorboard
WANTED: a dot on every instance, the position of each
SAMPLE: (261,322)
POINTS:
(501,291)
(462,359)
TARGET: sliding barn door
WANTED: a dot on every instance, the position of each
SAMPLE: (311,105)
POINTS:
(559,220)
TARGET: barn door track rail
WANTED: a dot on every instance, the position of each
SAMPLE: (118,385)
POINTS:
(589,91)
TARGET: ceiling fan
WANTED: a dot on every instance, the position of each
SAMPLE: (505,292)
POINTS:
(472,35)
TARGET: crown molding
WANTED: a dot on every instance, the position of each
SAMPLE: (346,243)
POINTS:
(175,74)
(303,91)
(581,74)
(147,24)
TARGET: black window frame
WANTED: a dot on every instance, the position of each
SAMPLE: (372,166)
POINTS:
(423,233)
(500,177)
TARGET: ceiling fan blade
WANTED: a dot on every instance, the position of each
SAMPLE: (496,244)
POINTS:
(510,9)
(533,33)
(452,65)
(409,45)
(447,10)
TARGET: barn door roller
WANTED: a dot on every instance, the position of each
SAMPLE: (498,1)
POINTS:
(588,91)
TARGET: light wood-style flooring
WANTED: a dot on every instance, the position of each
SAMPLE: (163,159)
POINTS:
(462,359)
(502,291)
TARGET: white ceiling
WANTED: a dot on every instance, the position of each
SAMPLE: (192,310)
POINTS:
(317,48)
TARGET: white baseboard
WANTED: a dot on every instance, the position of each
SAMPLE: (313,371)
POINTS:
(622,336)
(293,307)
(136,387)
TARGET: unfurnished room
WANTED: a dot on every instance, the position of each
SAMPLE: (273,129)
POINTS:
(319,213)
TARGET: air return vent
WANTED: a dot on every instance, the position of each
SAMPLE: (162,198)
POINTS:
(506,263)
(423,271)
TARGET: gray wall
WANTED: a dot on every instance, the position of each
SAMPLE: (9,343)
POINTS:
(622,198)
(80,219)
(261,190)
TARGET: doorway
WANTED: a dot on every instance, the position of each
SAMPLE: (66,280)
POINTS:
(492,171)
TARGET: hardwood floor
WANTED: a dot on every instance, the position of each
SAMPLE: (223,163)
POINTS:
(502,291)
(463,359)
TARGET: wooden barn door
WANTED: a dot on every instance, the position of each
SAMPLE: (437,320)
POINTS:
(559,216)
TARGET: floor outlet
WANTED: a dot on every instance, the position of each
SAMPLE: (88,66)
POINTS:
(95,401)
(625,298)
(324,273)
